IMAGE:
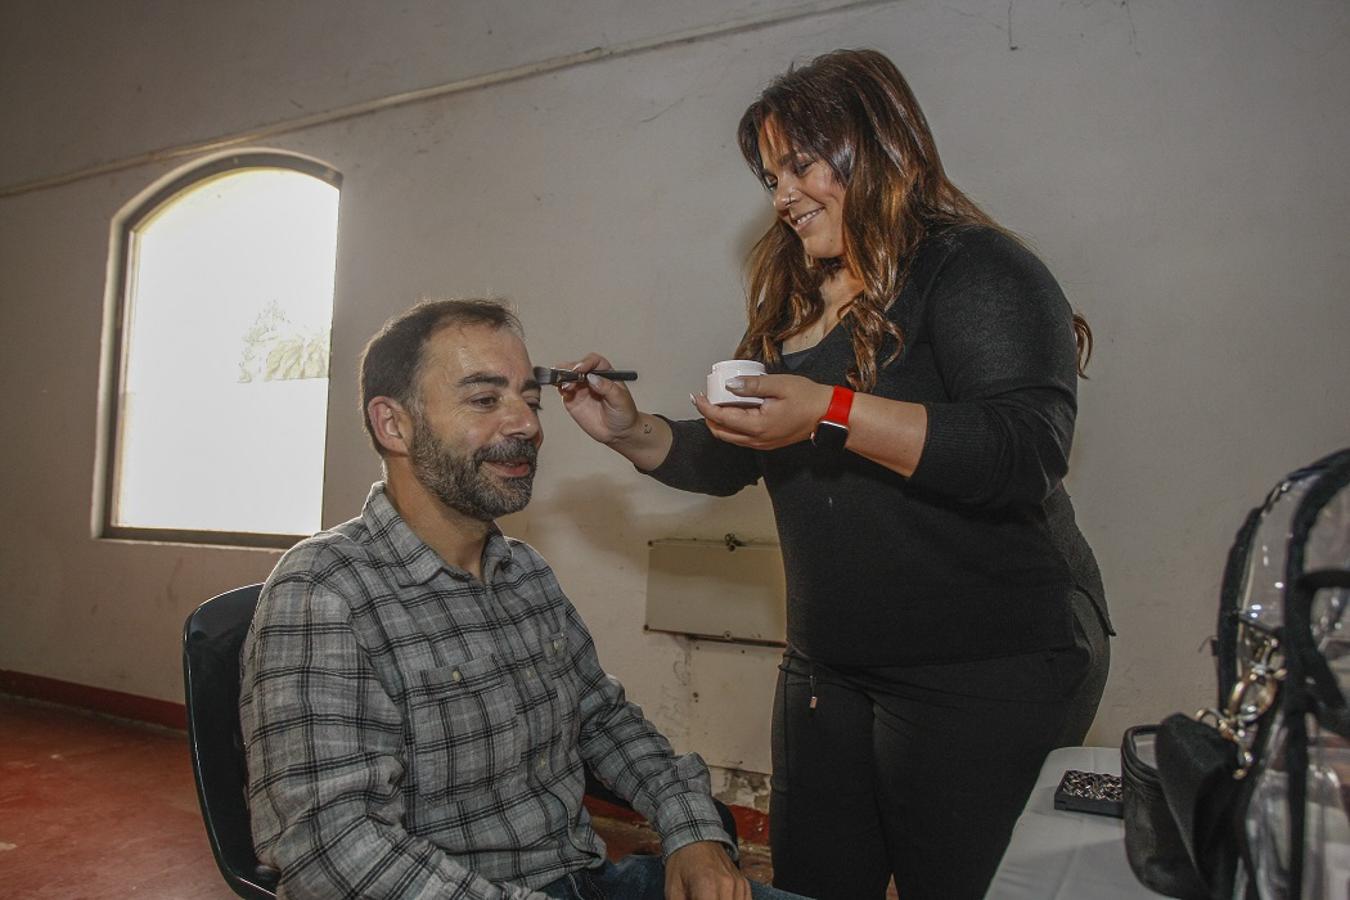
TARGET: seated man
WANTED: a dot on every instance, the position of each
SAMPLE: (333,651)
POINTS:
(418,693)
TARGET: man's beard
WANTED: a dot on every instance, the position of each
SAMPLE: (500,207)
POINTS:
(459,481)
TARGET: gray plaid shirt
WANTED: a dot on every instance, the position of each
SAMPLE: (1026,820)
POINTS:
(412,732)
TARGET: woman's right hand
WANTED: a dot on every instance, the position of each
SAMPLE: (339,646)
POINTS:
(605,410)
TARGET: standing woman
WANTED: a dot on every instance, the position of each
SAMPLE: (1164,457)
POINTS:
(946,620)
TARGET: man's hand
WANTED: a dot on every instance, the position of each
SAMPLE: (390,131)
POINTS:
(704,871)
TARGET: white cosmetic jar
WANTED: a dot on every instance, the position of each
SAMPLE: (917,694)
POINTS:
(728,369)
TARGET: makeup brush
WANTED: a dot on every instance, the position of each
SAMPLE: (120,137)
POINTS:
(545,375)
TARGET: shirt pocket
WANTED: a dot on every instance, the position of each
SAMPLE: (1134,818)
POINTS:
(466,732)
(567,697)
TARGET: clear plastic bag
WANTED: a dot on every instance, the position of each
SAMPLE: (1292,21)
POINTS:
(1266,822)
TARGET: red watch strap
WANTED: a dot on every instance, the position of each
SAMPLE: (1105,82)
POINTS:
(840,405)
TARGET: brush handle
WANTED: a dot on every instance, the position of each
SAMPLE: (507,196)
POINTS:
(563,376)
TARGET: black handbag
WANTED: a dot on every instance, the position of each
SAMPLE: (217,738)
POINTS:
(1153,842)
(1198,769)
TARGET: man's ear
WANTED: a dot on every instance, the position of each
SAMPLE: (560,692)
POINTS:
(391,423)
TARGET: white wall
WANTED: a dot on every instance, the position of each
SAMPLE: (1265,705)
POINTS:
(1180,166)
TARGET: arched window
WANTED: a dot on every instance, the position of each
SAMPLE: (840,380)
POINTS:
(218,398)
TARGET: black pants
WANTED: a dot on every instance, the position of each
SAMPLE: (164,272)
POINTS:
(919,771)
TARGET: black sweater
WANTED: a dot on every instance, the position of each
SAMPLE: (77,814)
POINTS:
(973,556)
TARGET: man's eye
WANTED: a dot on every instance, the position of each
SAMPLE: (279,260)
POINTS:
(486,401)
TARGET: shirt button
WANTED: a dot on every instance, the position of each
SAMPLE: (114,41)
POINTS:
(542,764)
(455,676)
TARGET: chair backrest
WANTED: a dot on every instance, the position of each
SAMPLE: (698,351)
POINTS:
(212,637)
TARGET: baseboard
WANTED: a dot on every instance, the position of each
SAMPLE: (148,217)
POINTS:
(94,699)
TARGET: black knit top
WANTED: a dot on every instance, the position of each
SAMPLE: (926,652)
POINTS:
(973,556)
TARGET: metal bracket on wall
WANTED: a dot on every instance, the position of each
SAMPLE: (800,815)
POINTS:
(727,590)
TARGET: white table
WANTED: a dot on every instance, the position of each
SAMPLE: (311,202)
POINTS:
(1067,855)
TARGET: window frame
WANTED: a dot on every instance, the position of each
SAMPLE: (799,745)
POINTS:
(122,281)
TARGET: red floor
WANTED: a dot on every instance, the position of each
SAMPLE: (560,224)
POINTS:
(94,808)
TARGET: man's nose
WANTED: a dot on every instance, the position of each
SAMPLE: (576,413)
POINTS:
(522,419)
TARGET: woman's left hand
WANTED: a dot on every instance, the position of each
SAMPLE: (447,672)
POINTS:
(792,407)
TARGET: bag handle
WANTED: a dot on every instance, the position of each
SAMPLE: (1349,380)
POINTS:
(1310,686)
(1235,572)
(1231,587)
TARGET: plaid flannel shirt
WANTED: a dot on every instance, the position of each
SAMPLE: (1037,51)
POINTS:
(412,732)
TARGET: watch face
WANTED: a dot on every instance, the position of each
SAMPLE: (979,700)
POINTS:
(830,435)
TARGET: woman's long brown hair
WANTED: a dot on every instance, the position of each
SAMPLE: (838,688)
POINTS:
(853,110)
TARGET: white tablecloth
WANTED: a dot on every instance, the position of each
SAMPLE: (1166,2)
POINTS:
(1057,855)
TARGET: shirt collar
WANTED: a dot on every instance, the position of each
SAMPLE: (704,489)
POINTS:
(412,560)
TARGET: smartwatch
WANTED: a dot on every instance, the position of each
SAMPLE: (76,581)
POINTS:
(832,430)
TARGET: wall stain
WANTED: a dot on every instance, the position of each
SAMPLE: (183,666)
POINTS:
(170,590)
(657,115)
(680,668)
(1134,32)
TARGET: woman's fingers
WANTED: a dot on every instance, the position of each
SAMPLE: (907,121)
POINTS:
(792,406)
(588,363)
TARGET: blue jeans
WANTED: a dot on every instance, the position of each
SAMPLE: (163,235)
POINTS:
(633,878)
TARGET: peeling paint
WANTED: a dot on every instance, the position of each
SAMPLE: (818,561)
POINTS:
(737,787)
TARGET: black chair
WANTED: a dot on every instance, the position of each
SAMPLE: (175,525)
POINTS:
(211,641)
(212,636)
